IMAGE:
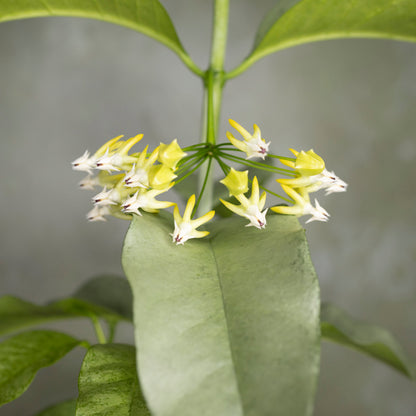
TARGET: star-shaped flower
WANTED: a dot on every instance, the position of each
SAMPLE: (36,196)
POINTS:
(250,208)
(302,206)
(185,227)
(252,145)
(145,200)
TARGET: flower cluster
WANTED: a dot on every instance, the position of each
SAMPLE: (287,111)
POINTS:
(131,182)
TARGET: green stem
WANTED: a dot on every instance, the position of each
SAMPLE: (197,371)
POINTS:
(207,175)
(111,331)
(98,329)
(214,83)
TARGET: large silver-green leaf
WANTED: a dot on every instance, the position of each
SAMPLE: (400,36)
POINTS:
(23,355)
(145,16)
(227,325)
(340,327)
(293,22)
(108,383)
(108,297)
(62,409)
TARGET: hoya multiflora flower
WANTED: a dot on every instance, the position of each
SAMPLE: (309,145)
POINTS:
(186,227)
(312,174)
(250,208)
(302,206)
(252,145)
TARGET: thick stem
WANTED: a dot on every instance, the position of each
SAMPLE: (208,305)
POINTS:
(214,82)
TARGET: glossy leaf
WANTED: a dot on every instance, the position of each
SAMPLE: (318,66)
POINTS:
(62,409)
(108,297)
(294,22)
(227,325)
(340,327)
(23,355)
(145,16)
(108,383)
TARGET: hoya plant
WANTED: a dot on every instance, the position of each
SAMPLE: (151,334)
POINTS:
(221,292)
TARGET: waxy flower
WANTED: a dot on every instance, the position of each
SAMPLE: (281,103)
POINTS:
(145,200)
(87,164)
(185,227)
(138,177)
(236,182)
(161,177)
(312,174)
(302,206)
(252,145)
(98,213)
(250,208)
(170,154)
(119,159)
(306,163)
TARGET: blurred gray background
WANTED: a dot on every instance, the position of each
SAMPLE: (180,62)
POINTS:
(67,85)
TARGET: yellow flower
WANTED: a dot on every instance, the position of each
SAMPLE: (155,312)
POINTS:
(306,163)
(302,206)
(252,145)
(236,182)
(161,177)
(312,174)
(185,227)
(170,154)
(250,208)
(138,176)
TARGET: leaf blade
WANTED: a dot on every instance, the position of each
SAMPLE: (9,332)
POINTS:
(66,408)
(377,342)
(24,354)
(190,324)
(108,383)
(108,297)
(294,22)
(146,16)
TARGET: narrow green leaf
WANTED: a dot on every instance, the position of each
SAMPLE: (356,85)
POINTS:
(108,383)
(227,325)
(108,297)
(340,327)
(293,22)
(145,16)
(62,409)
(23,355)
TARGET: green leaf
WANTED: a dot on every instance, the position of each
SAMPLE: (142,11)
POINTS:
(23,355)
(62,409)
(108,297)
(294,22)
(227,325)
(338,326)
(112,293)
(108,383)
(145,16)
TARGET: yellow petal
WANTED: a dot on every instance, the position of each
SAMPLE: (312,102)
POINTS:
(247,136)
(236,182)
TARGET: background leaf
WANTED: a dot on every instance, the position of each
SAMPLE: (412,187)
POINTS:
(23,355)
(338,326)
(227,325)
(293,22)
(66,408)
(108,297)
(145,16)
(108,383)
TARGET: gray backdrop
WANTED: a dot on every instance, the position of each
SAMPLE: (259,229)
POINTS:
(71,84)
